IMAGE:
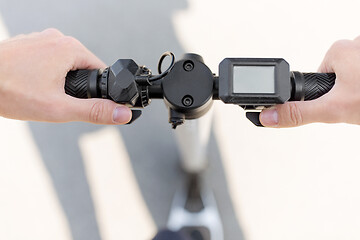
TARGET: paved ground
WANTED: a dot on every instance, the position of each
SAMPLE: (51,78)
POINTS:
(80,181)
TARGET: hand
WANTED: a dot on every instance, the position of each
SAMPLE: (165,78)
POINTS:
(340,104)
(32,77)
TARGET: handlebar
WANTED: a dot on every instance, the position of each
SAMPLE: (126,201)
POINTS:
(315,84)
(188,87)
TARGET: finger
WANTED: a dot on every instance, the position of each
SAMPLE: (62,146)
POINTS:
(85,59)
(20,36)
(325,66)
(81,56)
(338,51)
(51,33)
(48,33)
(98,111)
(357,39)
(292,114)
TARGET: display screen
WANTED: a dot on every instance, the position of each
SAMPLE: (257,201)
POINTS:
(254,79)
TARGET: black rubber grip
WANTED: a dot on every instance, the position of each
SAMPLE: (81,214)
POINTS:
(317,84)
(76,83)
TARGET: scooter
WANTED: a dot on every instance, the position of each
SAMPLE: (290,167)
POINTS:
(189,88)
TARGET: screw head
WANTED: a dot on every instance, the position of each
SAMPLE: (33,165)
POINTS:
(187,101)
(188,66)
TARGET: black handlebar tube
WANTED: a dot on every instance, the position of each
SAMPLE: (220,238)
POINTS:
(190,81)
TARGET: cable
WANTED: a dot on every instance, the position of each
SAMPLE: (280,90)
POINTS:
(163,56)
(163,74)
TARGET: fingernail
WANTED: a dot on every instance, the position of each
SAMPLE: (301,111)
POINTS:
(269,117)
(121,114)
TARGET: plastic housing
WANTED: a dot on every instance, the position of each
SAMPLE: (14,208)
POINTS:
(282,88)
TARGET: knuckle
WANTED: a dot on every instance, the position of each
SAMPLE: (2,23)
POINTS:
(19,36)
(295,115)
(357,39)
(69,41)
(342,47)
(53,32)
(97,112)
(67,44)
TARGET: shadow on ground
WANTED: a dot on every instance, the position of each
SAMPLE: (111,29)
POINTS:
(136,29)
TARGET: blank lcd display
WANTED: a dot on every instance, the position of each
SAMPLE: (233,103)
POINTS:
(254,79)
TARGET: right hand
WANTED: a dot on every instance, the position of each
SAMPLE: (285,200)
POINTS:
(340,104)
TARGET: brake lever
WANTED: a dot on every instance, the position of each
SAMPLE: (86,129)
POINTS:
(254,117)
(135,115)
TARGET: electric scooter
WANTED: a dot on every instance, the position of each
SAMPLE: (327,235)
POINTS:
(189,88)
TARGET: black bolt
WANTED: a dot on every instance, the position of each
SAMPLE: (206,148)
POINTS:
(187,101)
(188,66)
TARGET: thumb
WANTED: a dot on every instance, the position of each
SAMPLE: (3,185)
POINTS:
(292,114)
(98,111)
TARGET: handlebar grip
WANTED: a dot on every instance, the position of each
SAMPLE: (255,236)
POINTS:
(78,82)
(317,84)
(84,84)
(309,86)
